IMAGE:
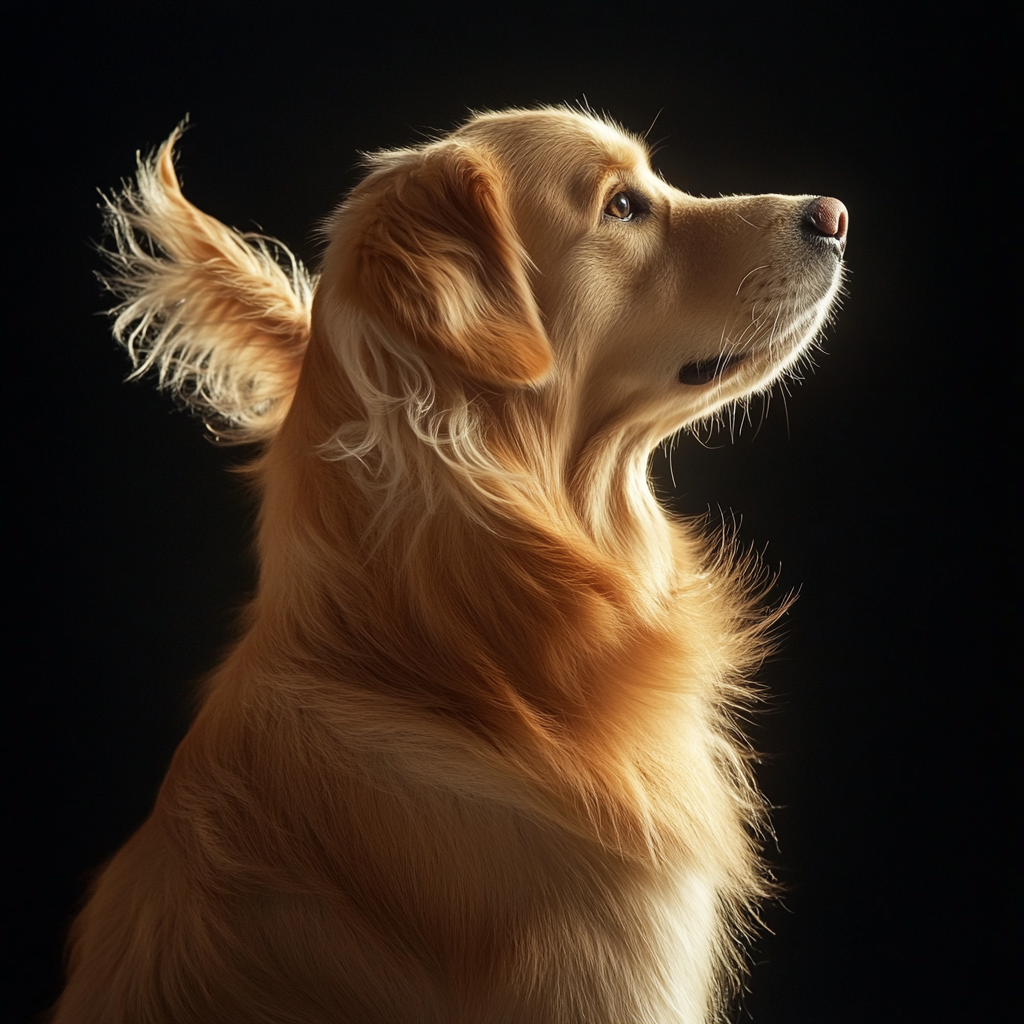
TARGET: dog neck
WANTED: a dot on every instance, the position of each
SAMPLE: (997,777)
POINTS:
(452,544)
(533,611)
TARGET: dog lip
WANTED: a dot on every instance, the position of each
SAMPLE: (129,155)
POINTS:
(707,370)
(833,246)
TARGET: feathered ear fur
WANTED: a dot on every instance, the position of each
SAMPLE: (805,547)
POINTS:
(427,248)
(224,324)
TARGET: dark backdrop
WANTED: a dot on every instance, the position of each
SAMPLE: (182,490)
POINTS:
(878,482)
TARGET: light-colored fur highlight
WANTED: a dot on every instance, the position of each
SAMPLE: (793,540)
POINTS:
(210,309)
(475,757)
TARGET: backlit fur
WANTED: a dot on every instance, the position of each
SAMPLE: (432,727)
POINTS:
(474,759)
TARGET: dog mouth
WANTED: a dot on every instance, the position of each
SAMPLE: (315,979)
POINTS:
(709,370)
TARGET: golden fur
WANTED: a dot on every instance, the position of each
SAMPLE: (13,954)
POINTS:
(473,759)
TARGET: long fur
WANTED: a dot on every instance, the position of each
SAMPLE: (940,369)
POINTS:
(475,758)
(210,309)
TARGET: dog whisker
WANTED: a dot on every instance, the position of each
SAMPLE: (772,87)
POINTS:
(763,266)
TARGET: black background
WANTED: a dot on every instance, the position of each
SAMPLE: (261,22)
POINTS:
(881,485)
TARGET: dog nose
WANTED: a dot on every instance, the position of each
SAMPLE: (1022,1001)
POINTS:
(827,218)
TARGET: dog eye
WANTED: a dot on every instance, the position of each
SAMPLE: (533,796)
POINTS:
(620,206)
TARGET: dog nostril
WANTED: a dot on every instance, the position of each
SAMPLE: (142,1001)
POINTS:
(826,217)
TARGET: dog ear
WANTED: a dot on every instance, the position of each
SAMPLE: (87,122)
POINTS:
(432,252)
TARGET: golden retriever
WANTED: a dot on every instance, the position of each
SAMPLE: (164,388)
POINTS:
(474,758)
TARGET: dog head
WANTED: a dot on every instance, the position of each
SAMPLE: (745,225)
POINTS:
(536,255)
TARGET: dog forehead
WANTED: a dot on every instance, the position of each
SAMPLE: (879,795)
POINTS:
(551,145)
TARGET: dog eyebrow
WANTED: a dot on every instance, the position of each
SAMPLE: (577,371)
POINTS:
(591,182)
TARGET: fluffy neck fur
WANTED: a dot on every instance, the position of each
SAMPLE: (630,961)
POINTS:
(578,648)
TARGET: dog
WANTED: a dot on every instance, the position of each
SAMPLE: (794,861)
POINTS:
(475,756)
